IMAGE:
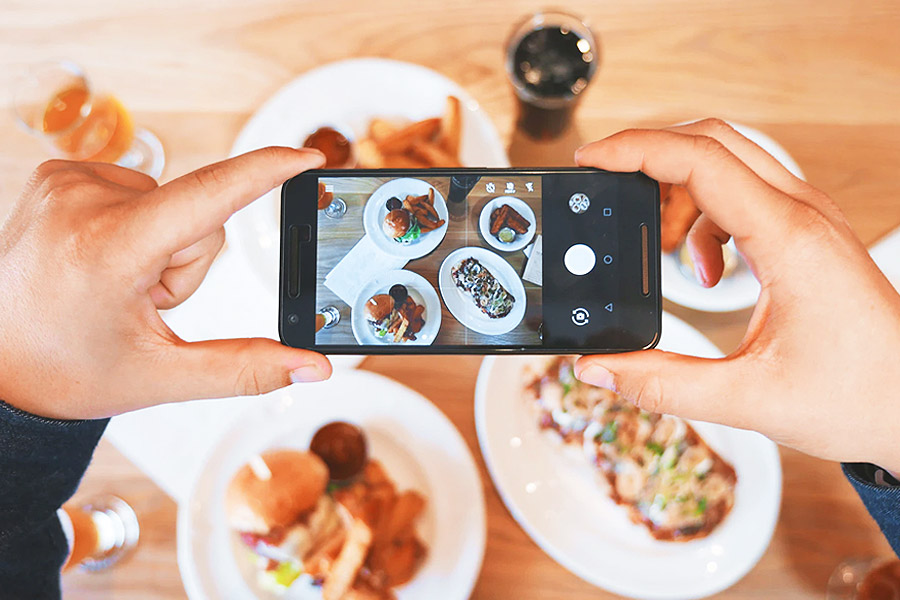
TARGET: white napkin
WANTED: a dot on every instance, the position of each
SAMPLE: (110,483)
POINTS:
(364,261)
(534,268)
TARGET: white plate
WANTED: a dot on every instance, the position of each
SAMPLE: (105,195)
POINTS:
(522,240)
(347,94)
(740,290)
(460,303)
(554,495)
(419,290)
(375,211)
(418,446)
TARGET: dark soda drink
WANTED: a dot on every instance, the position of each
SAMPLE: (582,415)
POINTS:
(551,58)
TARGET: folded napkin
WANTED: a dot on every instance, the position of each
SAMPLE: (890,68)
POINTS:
(364,261)
(534,268)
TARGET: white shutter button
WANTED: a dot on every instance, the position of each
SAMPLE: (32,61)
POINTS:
(580,259)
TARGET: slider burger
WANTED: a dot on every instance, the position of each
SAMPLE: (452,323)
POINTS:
(279,506)
(401,225)
(380,313)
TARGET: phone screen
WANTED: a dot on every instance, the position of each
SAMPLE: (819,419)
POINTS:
(473,261)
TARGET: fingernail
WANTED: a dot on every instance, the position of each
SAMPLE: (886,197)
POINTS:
(578,153)
(597,375)
(307,374)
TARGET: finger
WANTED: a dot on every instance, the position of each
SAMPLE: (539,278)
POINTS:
(761,162)
(723,187)
(240,367)
(704,242)
(186,271)
(664,382)
(189,208)
(129,178)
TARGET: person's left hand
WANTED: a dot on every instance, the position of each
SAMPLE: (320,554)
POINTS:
(89,255)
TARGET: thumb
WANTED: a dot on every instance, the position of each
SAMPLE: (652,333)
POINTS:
(241,367)
(665,382)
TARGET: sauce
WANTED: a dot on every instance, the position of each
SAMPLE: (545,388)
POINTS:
(342,447)
(334,145)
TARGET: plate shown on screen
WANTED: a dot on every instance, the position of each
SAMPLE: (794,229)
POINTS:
(420,291)
(349,94)
(740,290)
(375,211)
(521,240)
(460,303)
(418,446)
(557,500)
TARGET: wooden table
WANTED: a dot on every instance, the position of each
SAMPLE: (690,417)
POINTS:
(823,78)
(339,236)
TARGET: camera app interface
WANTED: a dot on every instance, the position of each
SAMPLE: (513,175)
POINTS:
(439,260)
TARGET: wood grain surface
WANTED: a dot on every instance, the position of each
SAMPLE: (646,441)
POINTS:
(822,78)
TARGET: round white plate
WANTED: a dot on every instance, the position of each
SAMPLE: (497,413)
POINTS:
(348,94)
(375,212)
(460,303)
(484,223)
(741,289)
(419,290)
(557,499)
(416,443)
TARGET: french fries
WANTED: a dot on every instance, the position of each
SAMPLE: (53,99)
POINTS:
(382,530)
(451,126)
(348,563)
(431,142)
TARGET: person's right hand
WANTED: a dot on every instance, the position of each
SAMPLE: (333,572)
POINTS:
(819,366)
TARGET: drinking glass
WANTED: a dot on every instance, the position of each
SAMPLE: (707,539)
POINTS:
(865,579)
(55,102)
(550,60)
(100,531)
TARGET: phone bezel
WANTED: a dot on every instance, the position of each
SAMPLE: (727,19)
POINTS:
(296,211)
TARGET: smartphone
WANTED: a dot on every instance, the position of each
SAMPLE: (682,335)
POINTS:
(478,261)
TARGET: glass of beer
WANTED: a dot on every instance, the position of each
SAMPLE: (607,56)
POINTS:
(55,102)
(550,60)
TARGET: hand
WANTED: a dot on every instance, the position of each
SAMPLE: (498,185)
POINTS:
(818,366)
(89,255)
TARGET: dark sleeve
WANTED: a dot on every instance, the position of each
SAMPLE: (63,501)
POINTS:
(881,495)
(41,462)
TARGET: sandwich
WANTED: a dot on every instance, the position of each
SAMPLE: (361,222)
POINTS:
(401,225)
(278,505)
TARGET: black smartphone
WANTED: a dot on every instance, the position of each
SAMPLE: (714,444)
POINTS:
(479,261)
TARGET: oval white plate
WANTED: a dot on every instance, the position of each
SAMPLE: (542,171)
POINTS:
(418,446)
(484,223)
(554,495)
(348,94)
(740,290)
(461,305)
(419,289)
(375,211)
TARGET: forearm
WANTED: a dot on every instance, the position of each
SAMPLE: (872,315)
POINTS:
(41,463)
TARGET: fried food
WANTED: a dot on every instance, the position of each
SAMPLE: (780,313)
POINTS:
(507,216)
(431,142)
(451,126)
